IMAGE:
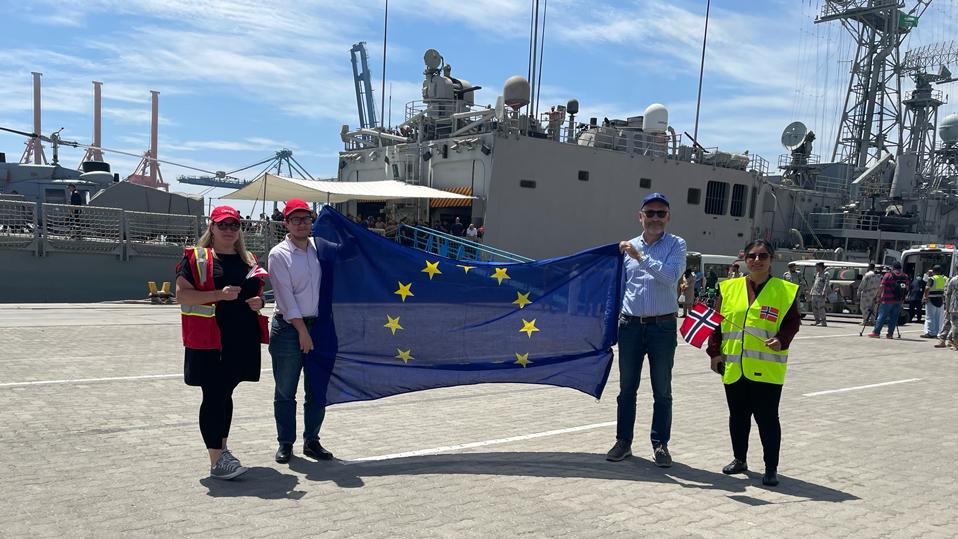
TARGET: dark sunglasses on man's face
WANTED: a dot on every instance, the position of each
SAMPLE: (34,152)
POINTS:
(656,213)
(228,225)
(757,256)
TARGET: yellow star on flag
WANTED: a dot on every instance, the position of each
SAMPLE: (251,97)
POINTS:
(522,299)
(500,275)
(404,355)
(522,359)
(392,324)
(404,290)
(465,268)
(432,268)
(528,327)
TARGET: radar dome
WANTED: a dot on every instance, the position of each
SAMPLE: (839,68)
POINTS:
(948,129)
(656,118)
(572,106)
(515,92)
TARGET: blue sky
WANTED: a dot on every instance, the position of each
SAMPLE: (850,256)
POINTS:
(241,79)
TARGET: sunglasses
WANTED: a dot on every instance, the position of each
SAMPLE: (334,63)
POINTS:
(228,225)
(757,256)
(656,213)
(299,220)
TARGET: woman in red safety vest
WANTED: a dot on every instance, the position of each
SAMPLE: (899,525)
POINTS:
(219,288)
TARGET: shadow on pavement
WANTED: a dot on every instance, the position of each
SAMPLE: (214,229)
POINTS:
(264,483)
(553,464)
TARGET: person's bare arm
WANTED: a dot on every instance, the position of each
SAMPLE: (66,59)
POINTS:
(187,294)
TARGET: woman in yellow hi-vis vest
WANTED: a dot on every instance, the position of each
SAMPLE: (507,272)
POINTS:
(751,353)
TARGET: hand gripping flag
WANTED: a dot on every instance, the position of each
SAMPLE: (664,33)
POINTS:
(393,319)
(699,324)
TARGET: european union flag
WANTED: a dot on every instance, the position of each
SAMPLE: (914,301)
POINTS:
(394,319)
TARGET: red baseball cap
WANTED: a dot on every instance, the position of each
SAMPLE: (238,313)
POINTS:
(295,204)
(222,213)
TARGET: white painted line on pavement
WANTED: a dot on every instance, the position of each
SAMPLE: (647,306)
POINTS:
(859,387)
(448,448)
(88,380)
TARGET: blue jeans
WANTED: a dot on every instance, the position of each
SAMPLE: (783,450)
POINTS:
(887,312)
(287,364)
(657,340)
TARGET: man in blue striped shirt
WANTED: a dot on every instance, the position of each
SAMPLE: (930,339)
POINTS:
(654,262)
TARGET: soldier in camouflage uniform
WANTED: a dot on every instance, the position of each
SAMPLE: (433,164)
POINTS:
(948,336)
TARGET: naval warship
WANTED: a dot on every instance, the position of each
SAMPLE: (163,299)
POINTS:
(551,184)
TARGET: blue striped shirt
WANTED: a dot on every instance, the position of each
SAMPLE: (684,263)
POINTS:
(651,285)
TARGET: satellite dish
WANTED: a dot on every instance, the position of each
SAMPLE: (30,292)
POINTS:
(793,135)
(432,58)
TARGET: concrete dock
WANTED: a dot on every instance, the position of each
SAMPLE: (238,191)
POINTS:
(99,438)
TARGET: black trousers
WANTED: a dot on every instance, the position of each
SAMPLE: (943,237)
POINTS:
(216,410)
(745,399)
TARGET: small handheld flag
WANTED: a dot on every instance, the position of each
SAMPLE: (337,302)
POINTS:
(699,324)
(769,313)
(257,271)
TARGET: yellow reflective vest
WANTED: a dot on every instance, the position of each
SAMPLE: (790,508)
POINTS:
(745,350)
(936,286)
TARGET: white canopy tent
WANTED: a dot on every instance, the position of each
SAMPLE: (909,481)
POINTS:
(274,187)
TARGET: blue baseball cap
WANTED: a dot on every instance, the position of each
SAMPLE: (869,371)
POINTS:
(653,197)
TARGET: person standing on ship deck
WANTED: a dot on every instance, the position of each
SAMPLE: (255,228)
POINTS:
(654,261)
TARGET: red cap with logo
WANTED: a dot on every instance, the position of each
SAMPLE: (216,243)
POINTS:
(295,204)
(222,213)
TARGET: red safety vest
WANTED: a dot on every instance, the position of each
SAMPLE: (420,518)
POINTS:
(200,331)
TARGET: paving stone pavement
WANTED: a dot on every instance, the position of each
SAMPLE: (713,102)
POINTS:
(99,438)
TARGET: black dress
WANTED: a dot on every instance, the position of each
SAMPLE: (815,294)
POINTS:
(239,357)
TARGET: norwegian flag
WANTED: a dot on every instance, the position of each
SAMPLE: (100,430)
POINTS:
(699,324)
(769,313)
(257,271)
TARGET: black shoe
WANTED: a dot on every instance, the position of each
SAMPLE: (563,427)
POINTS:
(734,467)
(662,457)
(284,453)
(770,479)
(316,451)
(928,336)
(619,451)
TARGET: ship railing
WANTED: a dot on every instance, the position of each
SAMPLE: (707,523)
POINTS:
(830,184)
(154,234)
(18,226)
(787,160)
(445,115)
(450,246)
(262,235)
(86,229)
(758,165)
(843,221)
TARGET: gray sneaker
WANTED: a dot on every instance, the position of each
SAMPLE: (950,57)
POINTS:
(227,467)
(662,457)
(230,456)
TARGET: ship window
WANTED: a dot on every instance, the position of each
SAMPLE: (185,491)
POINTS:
(645,183)
(528,184)
(583,175)
(716,198)
(395,171)
(751,208)
(739,193)
(695,196)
